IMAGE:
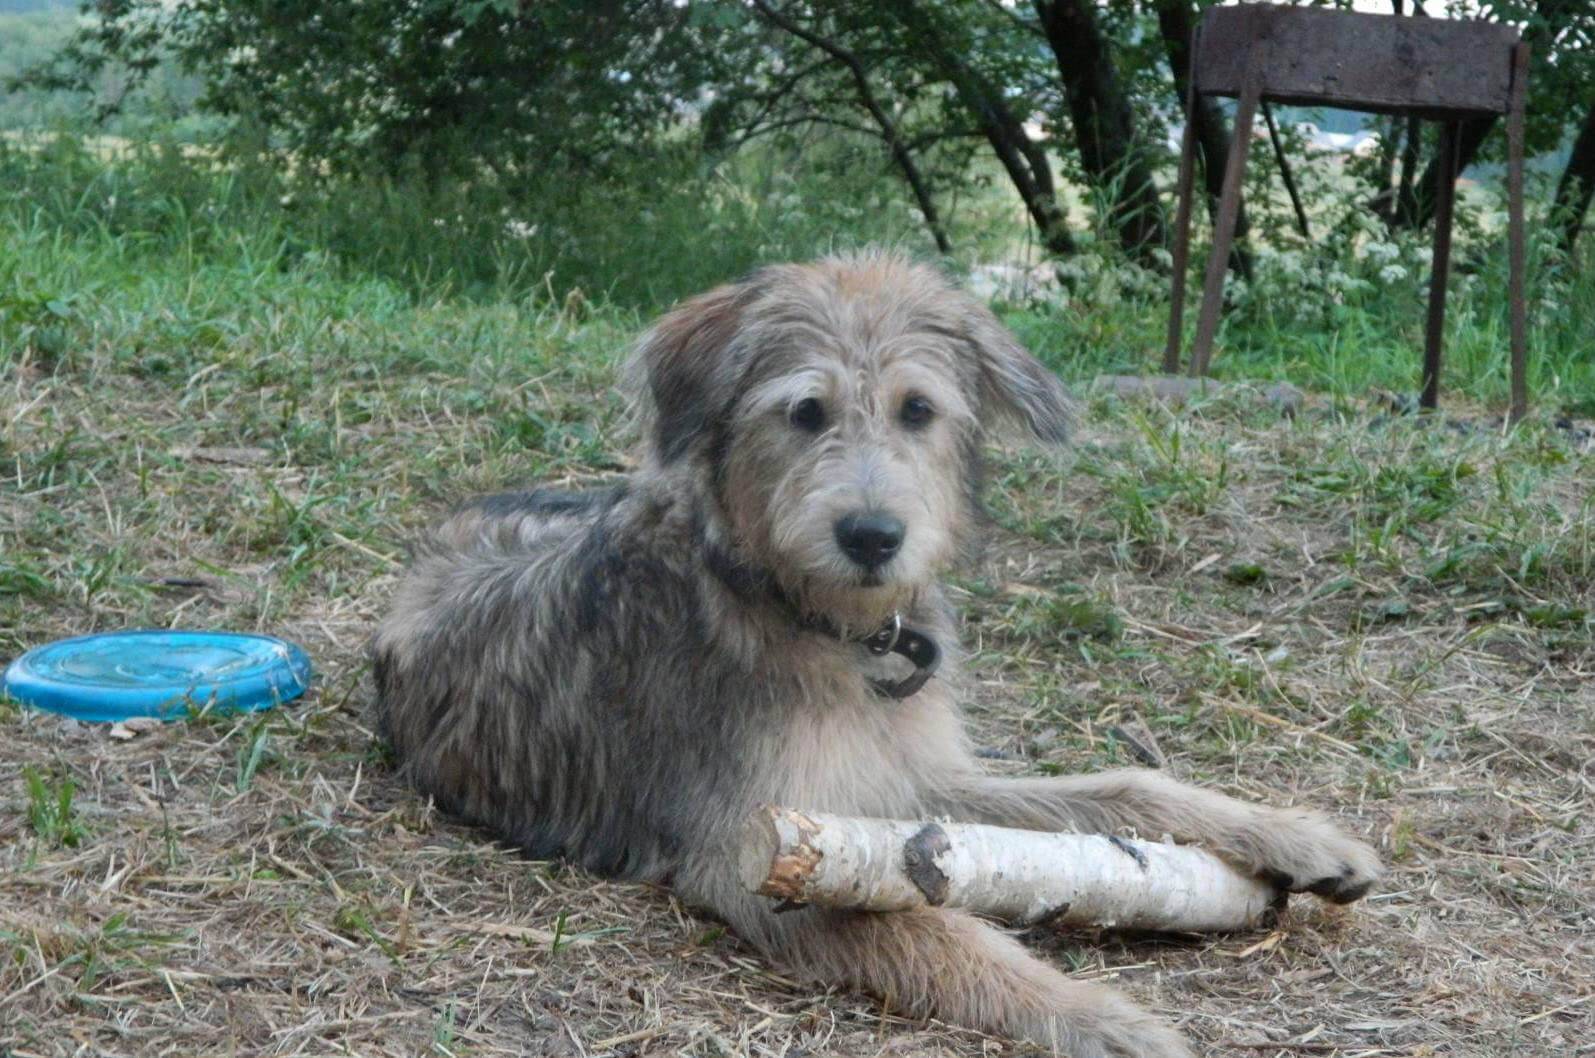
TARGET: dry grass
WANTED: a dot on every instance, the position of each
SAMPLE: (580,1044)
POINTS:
(1386,619)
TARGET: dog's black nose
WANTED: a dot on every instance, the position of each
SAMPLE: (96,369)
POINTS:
(870,539)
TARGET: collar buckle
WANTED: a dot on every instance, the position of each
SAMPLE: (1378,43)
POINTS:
(884,640)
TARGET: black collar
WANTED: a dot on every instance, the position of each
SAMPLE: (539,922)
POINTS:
(893,637)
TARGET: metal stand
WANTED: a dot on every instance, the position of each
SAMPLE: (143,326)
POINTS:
(1444,70)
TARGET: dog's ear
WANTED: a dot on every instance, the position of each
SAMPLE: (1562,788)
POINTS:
(682,369)
(1014,386)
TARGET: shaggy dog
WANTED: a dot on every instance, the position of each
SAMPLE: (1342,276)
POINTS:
(617,677)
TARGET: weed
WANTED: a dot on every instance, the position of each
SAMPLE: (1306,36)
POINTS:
(24,578)
(51,815)
(444,1031)
(1245,574)
(1069,617)
(356,919)
(254,752)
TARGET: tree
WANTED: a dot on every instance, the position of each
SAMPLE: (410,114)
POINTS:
(1056,90)
(1111,152)
(1022,158)
(446,87)
(867,98)
(1577,185)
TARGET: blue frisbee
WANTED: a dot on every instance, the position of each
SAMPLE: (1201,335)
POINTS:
(158,673)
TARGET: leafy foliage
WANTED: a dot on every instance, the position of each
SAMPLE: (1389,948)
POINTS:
(438,86)
(485,90)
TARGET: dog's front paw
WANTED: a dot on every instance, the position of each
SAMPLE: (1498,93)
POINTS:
(1303,852)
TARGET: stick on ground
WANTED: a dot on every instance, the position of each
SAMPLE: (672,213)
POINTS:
(1019,876)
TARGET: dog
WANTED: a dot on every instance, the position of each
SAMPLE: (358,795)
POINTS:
(617,677)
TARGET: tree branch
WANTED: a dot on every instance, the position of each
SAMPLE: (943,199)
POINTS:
(1019,876)
(866,96)
(1025,163)
(806,119)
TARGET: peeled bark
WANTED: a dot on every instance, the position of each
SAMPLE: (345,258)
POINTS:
(1019,876)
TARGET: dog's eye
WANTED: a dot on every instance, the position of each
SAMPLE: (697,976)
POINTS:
(807,415)
(917,411)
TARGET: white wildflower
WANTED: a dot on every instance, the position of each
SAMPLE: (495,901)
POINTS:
(1392,273)
(519,229)
(1382,251)
(1078,267)
(1288,263)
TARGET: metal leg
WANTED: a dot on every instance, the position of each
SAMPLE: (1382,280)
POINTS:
(1444,199)
(1514,198)
(1229,207)
(1182,226)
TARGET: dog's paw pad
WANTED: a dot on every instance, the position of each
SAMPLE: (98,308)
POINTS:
(1308,854)
(1347,887)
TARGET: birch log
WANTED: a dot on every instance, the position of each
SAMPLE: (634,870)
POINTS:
(1019,876)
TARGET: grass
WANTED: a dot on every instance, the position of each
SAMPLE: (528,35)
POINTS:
(213,419)
(50,813)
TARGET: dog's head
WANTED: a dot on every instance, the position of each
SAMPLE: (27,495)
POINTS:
(834,411)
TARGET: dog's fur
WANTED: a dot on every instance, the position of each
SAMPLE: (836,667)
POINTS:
(617,677)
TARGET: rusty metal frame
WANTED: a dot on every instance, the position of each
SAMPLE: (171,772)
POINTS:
(1248,80)
(1514,204)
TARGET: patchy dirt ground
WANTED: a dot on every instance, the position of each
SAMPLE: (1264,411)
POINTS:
(1386,618)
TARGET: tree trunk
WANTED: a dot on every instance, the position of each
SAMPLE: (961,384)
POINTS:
(1409,193)
(1577,186)
(1175,24)
(1024,161)
(1390,147)
(866,97)
(1104,124)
